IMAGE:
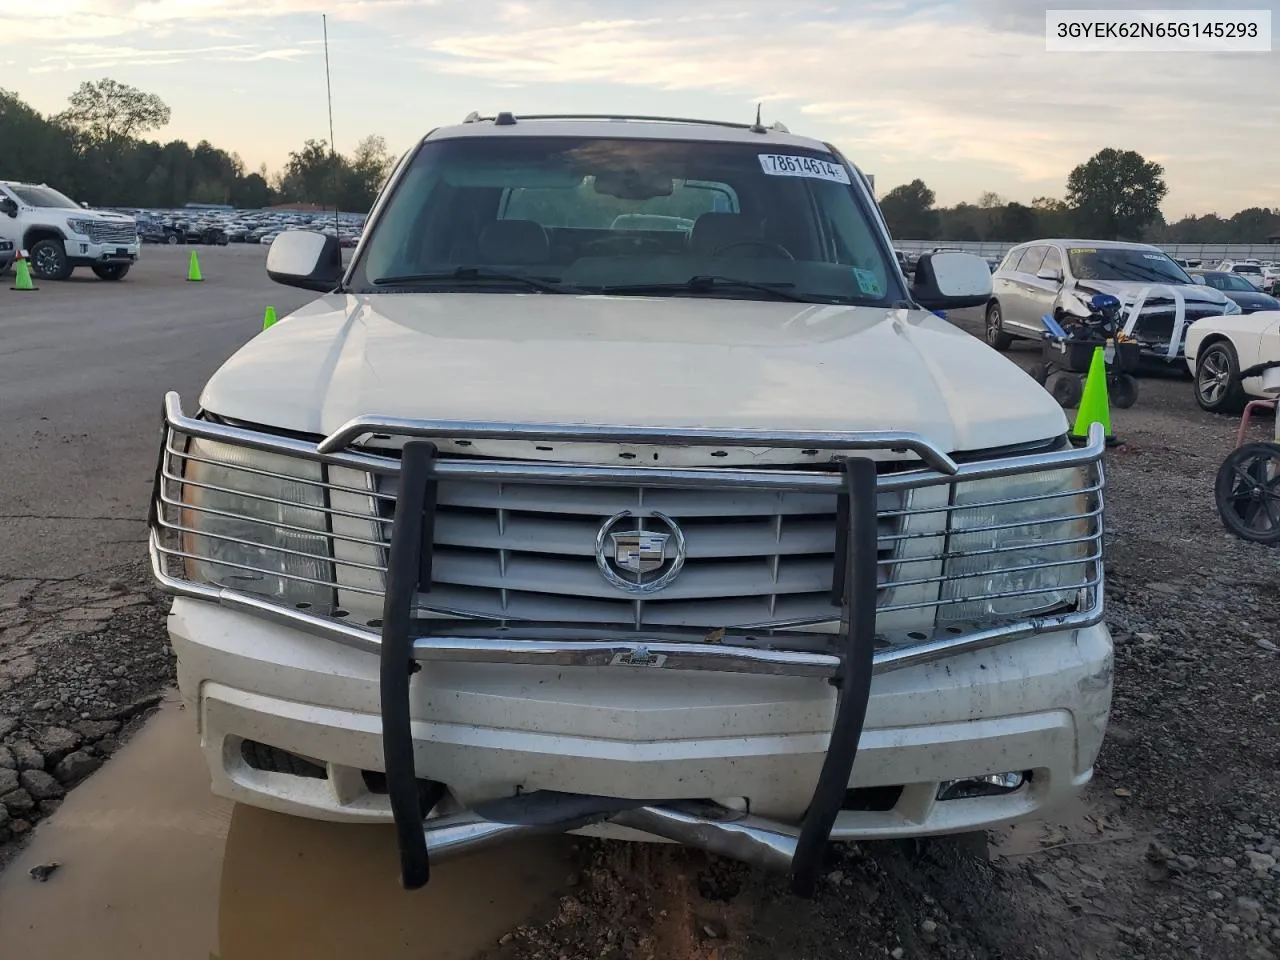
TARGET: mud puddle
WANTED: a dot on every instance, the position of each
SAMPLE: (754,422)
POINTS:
(153,867)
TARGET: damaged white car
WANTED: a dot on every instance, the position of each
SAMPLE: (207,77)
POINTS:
(1058,277)
(542,519)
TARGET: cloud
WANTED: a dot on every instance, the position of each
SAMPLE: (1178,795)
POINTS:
(939,82)
(100,56)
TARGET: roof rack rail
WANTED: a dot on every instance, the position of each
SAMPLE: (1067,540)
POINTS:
(474,117)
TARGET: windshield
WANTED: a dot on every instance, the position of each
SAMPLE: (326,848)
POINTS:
(1124,263)
(1227,281)
(629,216)
(43,197)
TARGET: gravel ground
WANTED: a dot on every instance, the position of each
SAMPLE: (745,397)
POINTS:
(1171,854)
(82,662)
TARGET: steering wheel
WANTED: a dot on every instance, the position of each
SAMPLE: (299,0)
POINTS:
(782,252)
(625,243)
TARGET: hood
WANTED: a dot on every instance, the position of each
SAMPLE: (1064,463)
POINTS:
(1253,300)
(636,361)
(106,215)
(1128,290)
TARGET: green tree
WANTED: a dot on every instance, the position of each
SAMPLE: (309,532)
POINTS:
(1053,217)
(313,174)
(365,174)
(909,212)
(1116,194)
(1016,223)
(106,110)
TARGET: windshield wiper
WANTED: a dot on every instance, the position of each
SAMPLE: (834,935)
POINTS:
(474,274)
(704,284)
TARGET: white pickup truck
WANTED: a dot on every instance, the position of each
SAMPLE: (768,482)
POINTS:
(719,536)
(59,234)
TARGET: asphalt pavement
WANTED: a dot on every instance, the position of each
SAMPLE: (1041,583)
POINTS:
(84,366)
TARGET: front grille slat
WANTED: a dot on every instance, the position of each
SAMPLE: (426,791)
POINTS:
(568,579)
(125,233)
(575,535)
(599,502)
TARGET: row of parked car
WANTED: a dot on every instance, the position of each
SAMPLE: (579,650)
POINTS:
(221,227)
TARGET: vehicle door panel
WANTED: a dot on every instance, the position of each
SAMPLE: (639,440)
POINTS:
(1042,294)
(1268,345)
(1019,312)
(10,228)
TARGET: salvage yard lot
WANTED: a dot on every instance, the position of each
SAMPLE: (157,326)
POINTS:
(1172,853)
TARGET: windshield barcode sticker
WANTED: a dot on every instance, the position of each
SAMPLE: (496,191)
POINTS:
(780,165)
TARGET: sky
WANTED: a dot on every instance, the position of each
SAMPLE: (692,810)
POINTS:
(960,93)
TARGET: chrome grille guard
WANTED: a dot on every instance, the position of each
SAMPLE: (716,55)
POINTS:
(847,659)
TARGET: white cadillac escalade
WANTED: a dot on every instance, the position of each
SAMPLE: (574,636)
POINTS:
(543,519)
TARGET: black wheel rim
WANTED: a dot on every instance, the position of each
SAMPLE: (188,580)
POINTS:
(1214,377)
(47,261)
(1255,493)
(1250,501)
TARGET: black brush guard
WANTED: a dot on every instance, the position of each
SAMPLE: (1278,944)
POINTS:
(701,824)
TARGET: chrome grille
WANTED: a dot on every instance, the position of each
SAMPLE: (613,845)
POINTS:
(514,551)
(103,232)
(514,541)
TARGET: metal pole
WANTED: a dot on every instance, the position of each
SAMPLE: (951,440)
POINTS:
(333,152)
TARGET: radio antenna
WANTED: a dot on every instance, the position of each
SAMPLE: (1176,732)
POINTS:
(758,127)
(333,151)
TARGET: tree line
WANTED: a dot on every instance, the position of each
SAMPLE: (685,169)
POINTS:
(94,152)
(1115,195)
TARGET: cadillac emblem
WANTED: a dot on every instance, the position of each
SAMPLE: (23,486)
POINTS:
(640,554)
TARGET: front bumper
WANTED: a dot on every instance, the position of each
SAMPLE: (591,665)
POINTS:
(746,745)
(84,252)
(491,731)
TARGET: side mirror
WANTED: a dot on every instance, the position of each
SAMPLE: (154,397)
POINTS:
(1052,274)
(949,281)
(300,258)
(8,206)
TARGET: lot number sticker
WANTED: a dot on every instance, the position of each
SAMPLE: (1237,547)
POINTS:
(780,165)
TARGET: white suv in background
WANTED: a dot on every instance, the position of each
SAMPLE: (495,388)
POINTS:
(541,521)
(59,234)
(1250,270)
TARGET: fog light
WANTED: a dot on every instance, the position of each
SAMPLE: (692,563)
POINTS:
(992,785)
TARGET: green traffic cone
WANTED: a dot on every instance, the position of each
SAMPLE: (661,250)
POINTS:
(22,277)
(269,318)
(193,269)
(1094,404)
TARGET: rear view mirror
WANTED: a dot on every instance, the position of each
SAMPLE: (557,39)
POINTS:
(8,206)
(632,185)
(946,281)
(1052,274)
(300,258)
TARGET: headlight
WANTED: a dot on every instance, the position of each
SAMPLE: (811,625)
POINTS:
(261,528)
(81,227)
(1232,307)
(1022,547)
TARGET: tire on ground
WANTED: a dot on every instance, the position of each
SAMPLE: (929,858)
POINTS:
(1218,388)
(111,271)
(50,253)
